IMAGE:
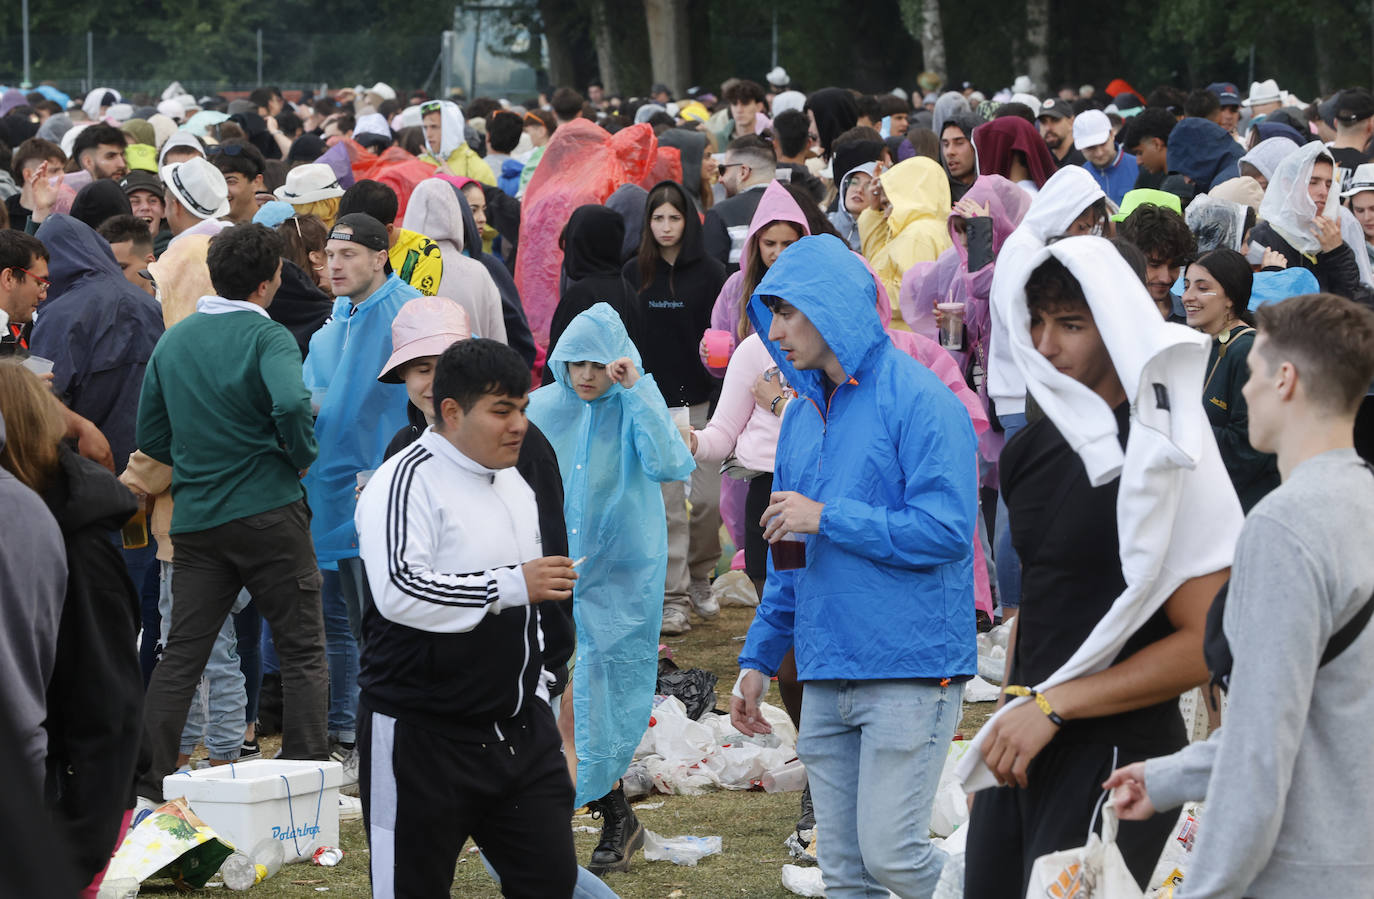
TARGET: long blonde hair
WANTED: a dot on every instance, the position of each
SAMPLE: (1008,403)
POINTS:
(33,426)
(325,210)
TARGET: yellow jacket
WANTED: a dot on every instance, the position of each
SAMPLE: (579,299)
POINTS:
(464,163)
(914,229)
(417,261)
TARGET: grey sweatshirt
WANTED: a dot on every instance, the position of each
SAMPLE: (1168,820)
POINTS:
(1290,793)
(33,586)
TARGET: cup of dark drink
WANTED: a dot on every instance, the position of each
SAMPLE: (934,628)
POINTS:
(789,552)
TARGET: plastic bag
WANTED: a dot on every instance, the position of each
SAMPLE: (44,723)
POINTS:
(1096,870)
(803,881)
(171,842)
(734,589)
(686,850)
(950,809)
(1216,223)
(582,163)
(695,687)
(979,690)
(951,883)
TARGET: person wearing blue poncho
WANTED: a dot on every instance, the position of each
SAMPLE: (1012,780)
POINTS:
(616,443)
(356,418)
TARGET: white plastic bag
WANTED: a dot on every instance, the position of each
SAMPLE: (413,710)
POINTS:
(734,589)
(1095,870)
(686,850)
(803,881)
(951,803)
(951,884)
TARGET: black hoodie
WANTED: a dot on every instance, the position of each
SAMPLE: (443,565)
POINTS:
(966,122)
(675,309)
(99,201)
(592,242)
(836,112)
(299,305)
(95,696)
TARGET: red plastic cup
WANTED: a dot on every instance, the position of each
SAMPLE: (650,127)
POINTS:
(719,345)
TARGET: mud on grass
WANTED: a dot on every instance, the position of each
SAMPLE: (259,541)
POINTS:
(751,825)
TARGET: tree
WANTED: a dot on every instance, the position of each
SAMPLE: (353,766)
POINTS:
(922,21)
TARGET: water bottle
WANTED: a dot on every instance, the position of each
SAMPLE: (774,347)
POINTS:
(242,871)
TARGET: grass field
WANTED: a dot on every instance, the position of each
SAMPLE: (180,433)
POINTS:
(752,825)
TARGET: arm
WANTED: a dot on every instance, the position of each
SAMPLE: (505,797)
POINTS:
(145,474)
(154,431)
(657,442)
(279,366)
(736,405)
(935,521)
(496,320)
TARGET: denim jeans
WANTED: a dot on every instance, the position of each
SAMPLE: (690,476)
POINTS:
(341,648)
(1004,554)
(216,715)
(873,752)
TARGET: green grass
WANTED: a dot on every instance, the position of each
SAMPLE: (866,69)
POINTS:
(752,825)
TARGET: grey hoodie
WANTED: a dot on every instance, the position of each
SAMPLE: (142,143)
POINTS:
(1290,794)
(33,572)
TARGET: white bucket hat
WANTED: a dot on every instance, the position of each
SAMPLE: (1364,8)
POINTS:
(1361,181)
(309,184)
(1262,92)
(198,186)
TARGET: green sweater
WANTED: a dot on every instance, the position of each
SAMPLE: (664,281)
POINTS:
(223,403)
(1253,473)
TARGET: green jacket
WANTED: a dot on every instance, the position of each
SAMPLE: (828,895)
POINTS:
(1253,473)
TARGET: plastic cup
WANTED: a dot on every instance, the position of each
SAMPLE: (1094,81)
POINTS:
(951,325)
(682,417)
(789,553)
(365,476)
(317,397)
(38,365)
(718,346)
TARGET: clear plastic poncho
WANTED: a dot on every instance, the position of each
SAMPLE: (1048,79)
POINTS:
(1287,207)
(1216,223)
(613,453)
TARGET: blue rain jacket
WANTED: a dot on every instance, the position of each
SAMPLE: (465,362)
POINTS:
(613,452)
(359,415)
(887,591)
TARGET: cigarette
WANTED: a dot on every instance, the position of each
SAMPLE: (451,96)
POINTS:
(579,561)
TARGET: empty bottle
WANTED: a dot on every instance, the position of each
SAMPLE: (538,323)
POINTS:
(242,871)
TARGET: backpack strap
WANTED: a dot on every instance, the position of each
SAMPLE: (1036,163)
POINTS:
(1340,641)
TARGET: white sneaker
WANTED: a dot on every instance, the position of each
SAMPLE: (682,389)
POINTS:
(674,622)
(703,603)
(350,808)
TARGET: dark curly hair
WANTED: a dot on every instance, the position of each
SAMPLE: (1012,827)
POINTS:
(1160,233)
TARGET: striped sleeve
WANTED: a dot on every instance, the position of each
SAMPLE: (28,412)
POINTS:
(415,590)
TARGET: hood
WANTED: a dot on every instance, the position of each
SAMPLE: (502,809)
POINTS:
(918,189)
(1007,205)
(1266,130)
(835,111)
(1287,207)
(99,201)
(776,205)
(91,105)
(10,99)
(998,139)
(691,146)
(77,253)
(629,200)
(85,494)
(1203,151)
(453,134)
(472,237)
(830,286)
(851,155)
(592,242)
(947,106)
(1268,153)
(596,335)
(692,246)
(433,211)
(1063,198)
(1216,223)
(55,127)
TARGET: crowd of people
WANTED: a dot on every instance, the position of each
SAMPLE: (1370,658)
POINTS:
(406,427)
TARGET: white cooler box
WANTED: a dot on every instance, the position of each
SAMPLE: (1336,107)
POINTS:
(293,802)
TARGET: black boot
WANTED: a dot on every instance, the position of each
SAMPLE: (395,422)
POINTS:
(621,835)
(806,824)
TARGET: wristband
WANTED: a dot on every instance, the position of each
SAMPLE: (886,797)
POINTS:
(1040,701)
(773,406)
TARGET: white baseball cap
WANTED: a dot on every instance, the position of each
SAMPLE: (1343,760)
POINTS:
(1091,128)
(198,186)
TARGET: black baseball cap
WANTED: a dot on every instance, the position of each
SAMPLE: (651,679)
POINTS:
(1354,105)
(364,229)
(1054,108)
(141,180)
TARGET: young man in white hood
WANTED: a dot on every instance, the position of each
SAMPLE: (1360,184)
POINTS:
(1124,521)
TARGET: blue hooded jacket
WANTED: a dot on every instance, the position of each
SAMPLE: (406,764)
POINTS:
(1118,178)
(613,452)
(359,415)
(97,328)
(1204,152)
(887,591)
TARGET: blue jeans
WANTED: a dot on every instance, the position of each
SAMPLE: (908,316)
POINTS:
(143,567)
(342,653)
(216,715)
(873,752)
(1003,553)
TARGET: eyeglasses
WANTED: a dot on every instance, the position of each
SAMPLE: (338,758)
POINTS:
(43,282)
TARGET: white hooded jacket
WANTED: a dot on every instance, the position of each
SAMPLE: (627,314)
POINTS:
(1065,195)
(434,211)
(1177,514)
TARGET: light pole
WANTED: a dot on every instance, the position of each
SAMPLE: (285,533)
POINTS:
(28,80)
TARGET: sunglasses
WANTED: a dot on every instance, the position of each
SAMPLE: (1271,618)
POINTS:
(431,106)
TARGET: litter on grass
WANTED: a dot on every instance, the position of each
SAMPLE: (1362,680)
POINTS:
(686,850)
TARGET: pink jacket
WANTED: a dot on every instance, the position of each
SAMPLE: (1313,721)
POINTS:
(739,423)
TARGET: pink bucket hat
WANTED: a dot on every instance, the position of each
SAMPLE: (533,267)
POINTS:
(425,326)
